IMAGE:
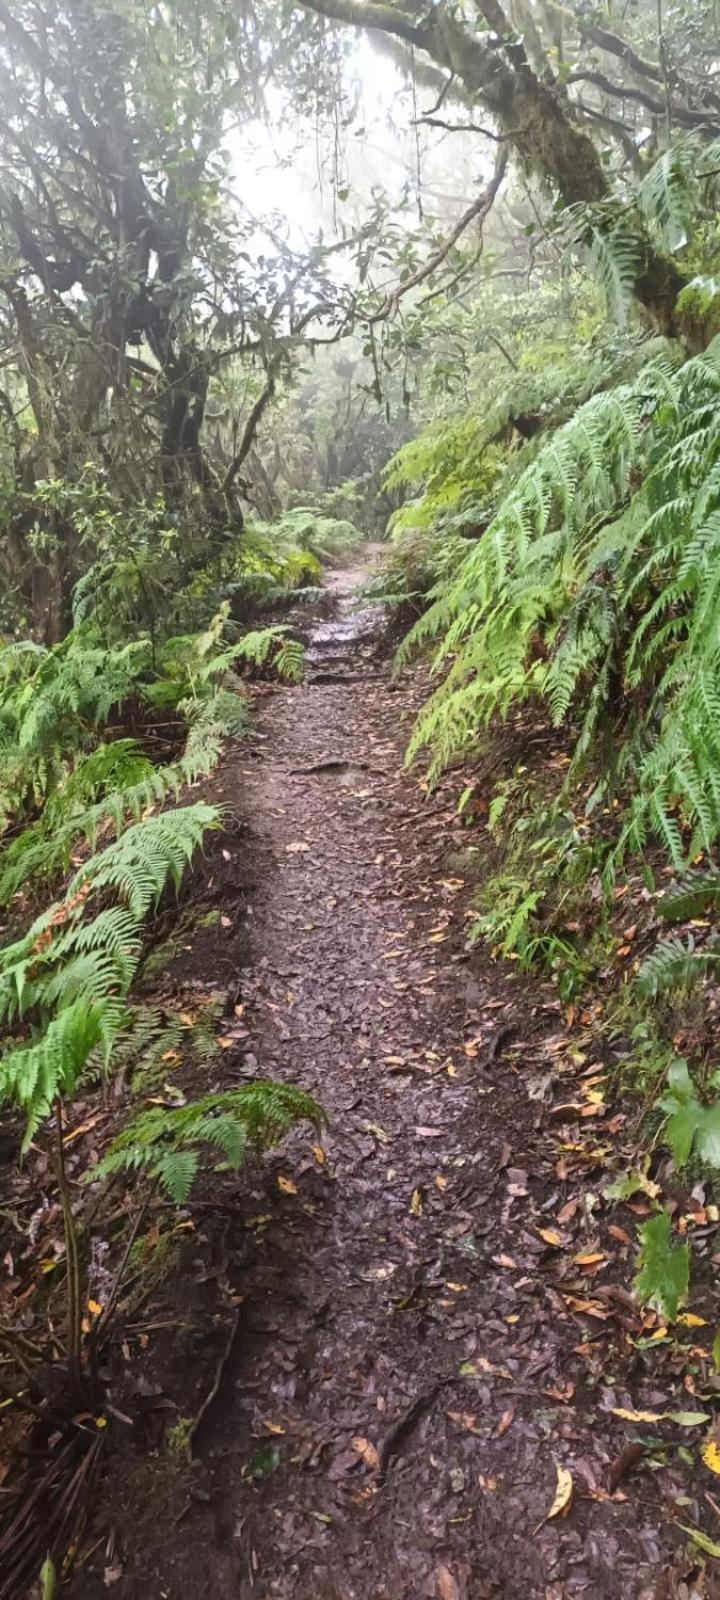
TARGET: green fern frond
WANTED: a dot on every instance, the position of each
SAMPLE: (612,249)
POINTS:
(166,1143)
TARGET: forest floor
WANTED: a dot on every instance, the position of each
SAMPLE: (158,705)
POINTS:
(387,1342)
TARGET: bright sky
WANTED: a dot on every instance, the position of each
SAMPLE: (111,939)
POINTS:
(294,170)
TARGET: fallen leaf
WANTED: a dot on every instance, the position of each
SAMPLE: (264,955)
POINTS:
(84,1128)
(563,1392)
(293,849)
(367,1453)
(551,1237)
(624,1463)
(702,1541)
(319,1154)
(638,1416)
(505,1261)
(711,1455)
(689,1320)
(563,1495)
(467,1420)
(445,1585)
(505,1422)
(287,1186)
(416,1204)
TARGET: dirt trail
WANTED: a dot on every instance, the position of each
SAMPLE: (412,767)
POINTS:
(406,1378)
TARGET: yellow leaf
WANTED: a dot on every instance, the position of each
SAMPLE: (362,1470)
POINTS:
(711,1455)
(563,1494)
(368,1453)
(551,1237)
(101,1422)
(589,1258)
(287,1186)
(94,1307)
(638,1416)
(319,1154)
(416,1204)
(689,1320)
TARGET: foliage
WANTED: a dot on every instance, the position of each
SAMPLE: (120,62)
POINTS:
(54,703)
(664,1275)
(68,977)
(165,1144)
(547,605)
(690,1125)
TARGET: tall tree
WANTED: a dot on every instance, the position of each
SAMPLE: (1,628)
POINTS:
(517,65)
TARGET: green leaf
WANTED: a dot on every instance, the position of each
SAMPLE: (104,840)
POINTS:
(702,1541)
(716,1351)
(708,1137)
(624,1188)
(680,1130)
(679,1081)
(688,1419)
(664,1275)
(48,1579)
(263,1462)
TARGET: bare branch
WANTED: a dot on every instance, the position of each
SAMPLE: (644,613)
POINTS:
(477,212)
(680,114)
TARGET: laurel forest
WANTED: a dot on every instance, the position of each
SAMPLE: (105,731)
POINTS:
(276,280)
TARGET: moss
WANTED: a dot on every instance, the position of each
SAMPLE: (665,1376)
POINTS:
(178,1438)
(698,310)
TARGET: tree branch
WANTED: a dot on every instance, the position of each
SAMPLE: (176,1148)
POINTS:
(476,212)
(680,114)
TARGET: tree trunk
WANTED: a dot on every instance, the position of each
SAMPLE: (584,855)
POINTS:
(533,113)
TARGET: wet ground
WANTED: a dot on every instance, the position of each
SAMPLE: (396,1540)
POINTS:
(430,1333)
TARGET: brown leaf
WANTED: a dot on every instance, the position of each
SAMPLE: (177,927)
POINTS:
(445,1585)
(505,1422)
(367,1453)
(551,1237)
(624,1463)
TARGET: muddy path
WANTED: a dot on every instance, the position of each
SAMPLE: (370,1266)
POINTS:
(411,1360)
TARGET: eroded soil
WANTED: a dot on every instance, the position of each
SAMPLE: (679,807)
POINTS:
(402,1360)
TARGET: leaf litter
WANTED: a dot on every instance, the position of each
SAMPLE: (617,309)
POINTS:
(429,1332)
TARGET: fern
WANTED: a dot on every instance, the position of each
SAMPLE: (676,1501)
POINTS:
(166,1145)
(48,1068)
(271,646)
(71,963)
(675,966)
